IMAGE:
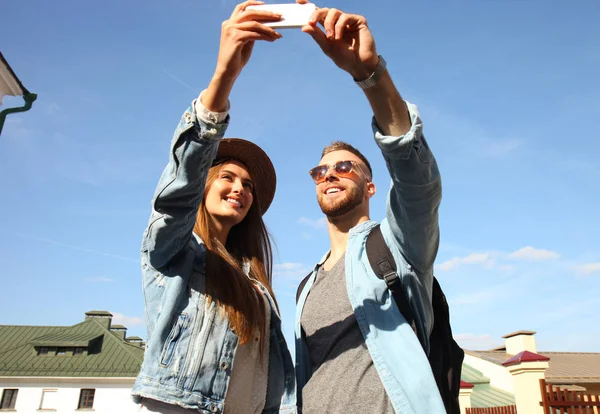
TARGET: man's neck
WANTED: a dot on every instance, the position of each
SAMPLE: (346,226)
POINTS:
(338,228)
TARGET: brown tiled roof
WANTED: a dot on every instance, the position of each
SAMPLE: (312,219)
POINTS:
(564,367)
(573,367)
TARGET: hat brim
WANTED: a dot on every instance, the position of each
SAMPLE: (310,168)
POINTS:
(259,166)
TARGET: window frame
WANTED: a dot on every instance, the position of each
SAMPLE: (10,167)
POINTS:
(46,391)
(10,404)
(82,403)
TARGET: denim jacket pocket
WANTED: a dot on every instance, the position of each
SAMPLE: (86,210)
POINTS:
(173,339)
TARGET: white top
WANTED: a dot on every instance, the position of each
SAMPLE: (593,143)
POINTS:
(247,389)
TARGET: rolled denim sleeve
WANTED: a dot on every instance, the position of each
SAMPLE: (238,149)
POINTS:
(415,194)
(181,186)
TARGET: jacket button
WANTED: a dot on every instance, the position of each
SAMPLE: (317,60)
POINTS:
(214,408)
(224,365)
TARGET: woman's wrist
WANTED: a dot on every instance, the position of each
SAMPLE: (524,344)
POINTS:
(216,96)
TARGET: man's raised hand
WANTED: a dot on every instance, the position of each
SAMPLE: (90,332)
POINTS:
(345,38)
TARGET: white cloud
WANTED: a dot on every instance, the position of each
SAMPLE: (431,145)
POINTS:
(73,247)
(475,298)
(486,258)
(532,254)
(568,311)
(476,139)
(52,108)
(128,321)
(499,148)
(290,270)
(178,80)
(100,279)
(477,342)
(317,224)
(507,268)
(16,130)
(493,259)
(588,268)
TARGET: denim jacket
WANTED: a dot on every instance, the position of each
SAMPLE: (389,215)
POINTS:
(191,348)
(411,231)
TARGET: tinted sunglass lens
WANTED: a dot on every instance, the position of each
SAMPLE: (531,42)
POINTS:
(344,167)
(318,173)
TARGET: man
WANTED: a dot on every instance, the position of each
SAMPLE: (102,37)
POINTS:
(355,351)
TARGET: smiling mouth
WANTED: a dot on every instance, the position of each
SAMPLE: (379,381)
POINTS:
(333,190)
(234,202)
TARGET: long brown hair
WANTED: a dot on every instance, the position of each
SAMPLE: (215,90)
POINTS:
(226,284)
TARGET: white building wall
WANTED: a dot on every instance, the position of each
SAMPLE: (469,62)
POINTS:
(499,376)
(112,395)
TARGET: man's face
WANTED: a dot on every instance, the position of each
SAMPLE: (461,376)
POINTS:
(337,195)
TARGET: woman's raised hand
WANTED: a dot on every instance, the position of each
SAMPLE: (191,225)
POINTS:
(238,34)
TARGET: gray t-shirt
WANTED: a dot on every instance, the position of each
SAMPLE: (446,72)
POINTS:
(344,379)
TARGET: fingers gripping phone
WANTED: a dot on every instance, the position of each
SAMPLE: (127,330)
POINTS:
(292,15)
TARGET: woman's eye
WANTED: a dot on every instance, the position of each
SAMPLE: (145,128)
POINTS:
(249,187)
(226,177)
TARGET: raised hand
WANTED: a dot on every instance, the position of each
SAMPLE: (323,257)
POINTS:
(238,35)
(345,38)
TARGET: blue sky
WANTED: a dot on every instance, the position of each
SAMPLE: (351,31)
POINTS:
(508,92)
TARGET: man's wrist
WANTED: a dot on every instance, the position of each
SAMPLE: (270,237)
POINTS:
(370,80)
(364,69)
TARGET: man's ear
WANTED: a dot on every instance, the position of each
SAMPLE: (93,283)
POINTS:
(371,189)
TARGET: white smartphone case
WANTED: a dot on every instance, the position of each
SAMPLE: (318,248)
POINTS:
(293,15)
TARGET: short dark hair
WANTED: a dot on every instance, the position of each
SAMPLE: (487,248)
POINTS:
(344,146)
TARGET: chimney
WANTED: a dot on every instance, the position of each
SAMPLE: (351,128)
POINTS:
(520,341)
(103,317)
(136,341)
(119,330)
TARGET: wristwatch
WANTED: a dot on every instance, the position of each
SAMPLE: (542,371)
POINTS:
(374,78)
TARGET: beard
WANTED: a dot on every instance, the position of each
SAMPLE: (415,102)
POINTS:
(353,198)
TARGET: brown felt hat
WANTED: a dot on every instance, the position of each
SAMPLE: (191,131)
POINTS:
(258,163)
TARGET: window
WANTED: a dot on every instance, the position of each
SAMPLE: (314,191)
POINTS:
(9,399)
(61,351)
(49,400)
(78,351)
(86,398)
(43,350)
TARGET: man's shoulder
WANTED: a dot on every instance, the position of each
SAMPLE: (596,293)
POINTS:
(363,228)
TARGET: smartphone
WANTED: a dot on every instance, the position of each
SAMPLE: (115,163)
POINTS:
(292,15)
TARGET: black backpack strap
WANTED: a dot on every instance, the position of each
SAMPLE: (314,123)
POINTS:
(301,286)
(446,356)
(383,264)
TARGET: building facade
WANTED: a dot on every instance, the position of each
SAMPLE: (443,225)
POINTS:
(68,369)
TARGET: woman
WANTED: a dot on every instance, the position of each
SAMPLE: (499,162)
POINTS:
(214,334)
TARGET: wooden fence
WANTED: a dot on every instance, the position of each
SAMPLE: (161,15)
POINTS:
(507,409)
(558,401)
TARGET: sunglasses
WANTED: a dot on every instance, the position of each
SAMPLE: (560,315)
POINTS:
(342,168)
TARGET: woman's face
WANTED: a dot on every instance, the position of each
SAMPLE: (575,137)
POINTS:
(230,196)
